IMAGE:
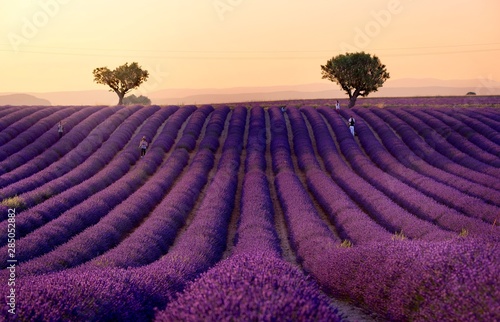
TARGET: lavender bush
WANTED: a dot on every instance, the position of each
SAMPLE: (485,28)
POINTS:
(72,159)
(410,160)
(23,168)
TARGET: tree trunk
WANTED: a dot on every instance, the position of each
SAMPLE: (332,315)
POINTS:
(120,98)
(352,101)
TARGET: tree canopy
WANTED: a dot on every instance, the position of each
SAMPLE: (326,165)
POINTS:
(121,80)
(358,74)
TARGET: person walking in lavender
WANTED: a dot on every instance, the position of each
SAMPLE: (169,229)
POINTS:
(351,123)
(337,107)
(143,146)
(60,129)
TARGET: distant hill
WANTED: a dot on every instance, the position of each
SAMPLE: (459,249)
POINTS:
(392,88)
(91,97)
(22,99)
(396,88)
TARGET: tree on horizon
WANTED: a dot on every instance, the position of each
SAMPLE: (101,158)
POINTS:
(132,99)
(358,74)
(122,79)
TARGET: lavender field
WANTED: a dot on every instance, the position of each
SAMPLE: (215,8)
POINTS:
(244,212)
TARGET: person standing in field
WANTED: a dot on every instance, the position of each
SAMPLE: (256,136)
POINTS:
(143,146)
(351,123)
(60,129)
(337,107)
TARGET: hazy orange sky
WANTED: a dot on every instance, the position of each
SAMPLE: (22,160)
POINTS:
(54,45)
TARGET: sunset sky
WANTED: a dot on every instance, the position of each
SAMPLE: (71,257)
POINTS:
(54,45)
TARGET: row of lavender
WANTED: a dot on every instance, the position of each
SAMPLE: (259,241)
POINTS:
(44,152)
(254,283)
(419,302)
(430,148)
(25,185)
(387,212)
(83,161)
(183,262)
(415,280)
(404,292)
(306,228)
(33,157)
(19,134)
(17,120)
(48,183)
(409,195)
(92,196)
(460,152)
(153,285)
(161,226)
(413,161)
(73,178)
(51,155)
(437,196)
(81,239)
